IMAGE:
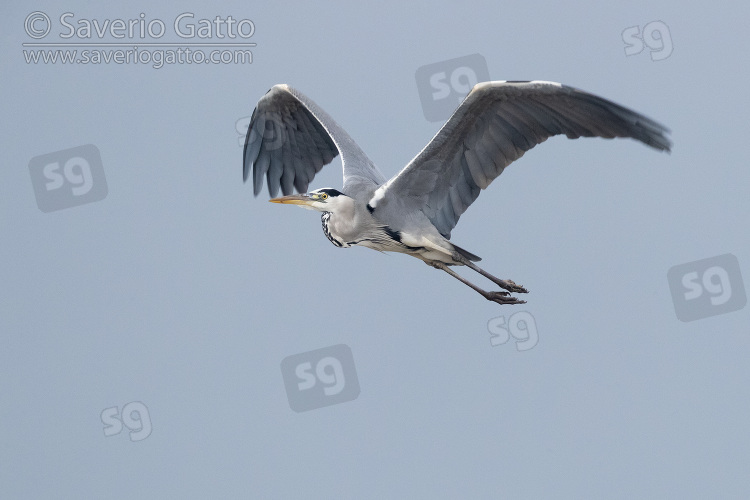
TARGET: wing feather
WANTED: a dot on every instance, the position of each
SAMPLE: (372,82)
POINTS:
(290,139)
(494,126)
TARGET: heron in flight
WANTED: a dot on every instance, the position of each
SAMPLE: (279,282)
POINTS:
(290,138)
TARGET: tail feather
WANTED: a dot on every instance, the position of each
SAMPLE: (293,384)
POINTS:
(466,253)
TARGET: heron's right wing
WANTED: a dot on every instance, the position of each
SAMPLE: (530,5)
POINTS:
(494,126)
(290,139)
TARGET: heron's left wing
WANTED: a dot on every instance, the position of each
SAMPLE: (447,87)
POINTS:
(290,138)
(494,126)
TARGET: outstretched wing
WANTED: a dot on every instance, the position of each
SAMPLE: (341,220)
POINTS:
(290,139)
(494,126)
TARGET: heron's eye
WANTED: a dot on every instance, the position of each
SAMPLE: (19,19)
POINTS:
(323,196)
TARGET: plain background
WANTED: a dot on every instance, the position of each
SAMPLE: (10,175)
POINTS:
(182,291)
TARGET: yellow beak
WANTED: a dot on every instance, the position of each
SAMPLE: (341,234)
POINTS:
(294,199)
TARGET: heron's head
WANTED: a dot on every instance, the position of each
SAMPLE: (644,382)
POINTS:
(322,200)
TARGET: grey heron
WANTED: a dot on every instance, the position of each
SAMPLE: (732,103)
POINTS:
(290,138)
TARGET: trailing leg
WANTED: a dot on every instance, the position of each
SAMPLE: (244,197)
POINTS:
(504,284)
(499,297)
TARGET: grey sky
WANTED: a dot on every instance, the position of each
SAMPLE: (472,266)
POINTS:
(181,291)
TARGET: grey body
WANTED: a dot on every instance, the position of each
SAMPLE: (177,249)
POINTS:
(291,138)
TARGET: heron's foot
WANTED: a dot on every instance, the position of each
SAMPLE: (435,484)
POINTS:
(503,298)
(510,286)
